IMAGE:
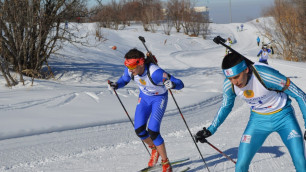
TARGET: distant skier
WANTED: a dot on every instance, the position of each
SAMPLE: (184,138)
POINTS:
(241,27)
(153,83)
(228,43)
(264,53)
(267,93)
(258,40)
(66,24)
(237,28)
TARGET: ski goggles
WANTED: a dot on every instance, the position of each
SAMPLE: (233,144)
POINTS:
(235,70)
(133,63)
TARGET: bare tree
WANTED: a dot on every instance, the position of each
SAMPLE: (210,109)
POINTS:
(151,14)
(205,27)
(187,14)
(199,24)
(30,31)
(167,26)
(132,11)
(288,32)
(194,22)
(174,9)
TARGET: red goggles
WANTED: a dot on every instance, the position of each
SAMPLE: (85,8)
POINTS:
(133,63)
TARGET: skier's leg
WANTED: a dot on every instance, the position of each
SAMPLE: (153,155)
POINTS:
(161,149)
(252,139)
(292,137)
(142,114)
(158,109)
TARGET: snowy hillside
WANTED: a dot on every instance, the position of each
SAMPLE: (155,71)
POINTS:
(75,122)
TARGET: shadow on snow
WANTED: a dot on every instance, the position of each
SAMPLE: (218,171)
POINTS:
(213,160)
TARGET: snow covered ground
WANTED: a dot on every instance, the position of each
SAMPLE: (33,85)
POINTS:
(75,122)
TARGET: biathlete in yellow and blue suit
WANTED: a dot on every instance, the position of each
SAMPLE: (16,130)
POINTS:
(153,83)
(267,93)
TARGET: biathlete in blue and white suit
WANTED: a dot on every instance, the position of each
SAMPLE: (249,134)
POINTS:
(267,94)
(153,83)
(264,54)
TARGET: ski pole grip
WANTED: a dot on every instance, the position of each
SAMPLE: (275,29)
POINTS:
(218,40)
(141,38)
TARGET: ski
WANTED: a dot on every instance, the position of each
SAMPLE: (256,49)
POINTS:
(184,170)
(158,166)
(174,169)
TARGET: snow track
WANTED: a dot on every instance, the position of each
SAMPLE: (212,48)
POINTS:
(76,124)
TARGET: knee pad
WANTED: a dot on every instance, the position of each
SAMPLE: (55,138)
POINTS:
(153,134)
(142,132)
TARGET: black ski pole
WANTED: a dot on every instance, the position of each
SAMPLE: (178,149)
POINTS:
(229,158)
(128,115)
(220,40)
(143,42)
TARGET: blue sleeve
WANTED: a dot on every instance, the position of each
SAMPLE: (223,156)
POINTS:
(259,52)
(275,80)
(226,107)
(178,83)
(124,79)
(269,51)
(159,76)
(299,96)
(271,77)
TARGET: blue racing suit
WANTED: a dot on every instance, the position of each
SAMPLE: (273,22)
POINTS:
(152,101)
(271,111)
(264,55)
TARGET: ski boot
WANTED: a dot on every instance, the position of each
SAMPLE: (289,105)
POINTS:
(166,165)
(154,156)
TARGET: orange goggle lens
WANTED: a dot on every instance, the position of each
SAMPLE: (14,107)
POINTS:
(132,67)
(133,63)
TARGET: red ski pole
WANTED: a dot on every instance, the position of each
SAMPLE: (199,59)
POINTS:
(220,151)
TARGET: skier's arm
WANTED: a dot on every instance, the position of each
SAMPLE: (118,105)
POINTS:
(272,51)
(124,79)
(277,81)
(159,76)
(226,107)
(299,96)
(259,53)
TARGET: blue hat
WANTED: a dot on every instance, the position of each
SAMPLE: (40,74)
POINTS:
(235,70)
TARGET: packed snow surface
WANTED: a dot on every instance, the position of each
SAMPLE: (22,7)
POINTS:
(74,122)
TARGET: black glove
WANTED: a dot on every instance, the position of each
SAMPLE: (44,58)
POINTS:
(114,85)
(305,135)
(202,135)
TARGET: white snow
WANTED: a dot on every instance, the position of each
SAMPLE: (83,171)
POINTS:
(76,123)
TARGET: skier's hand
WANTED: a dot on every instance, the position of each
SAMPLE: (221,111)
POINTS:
(114,85)
(169,84)
(305,135)
(202,135)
